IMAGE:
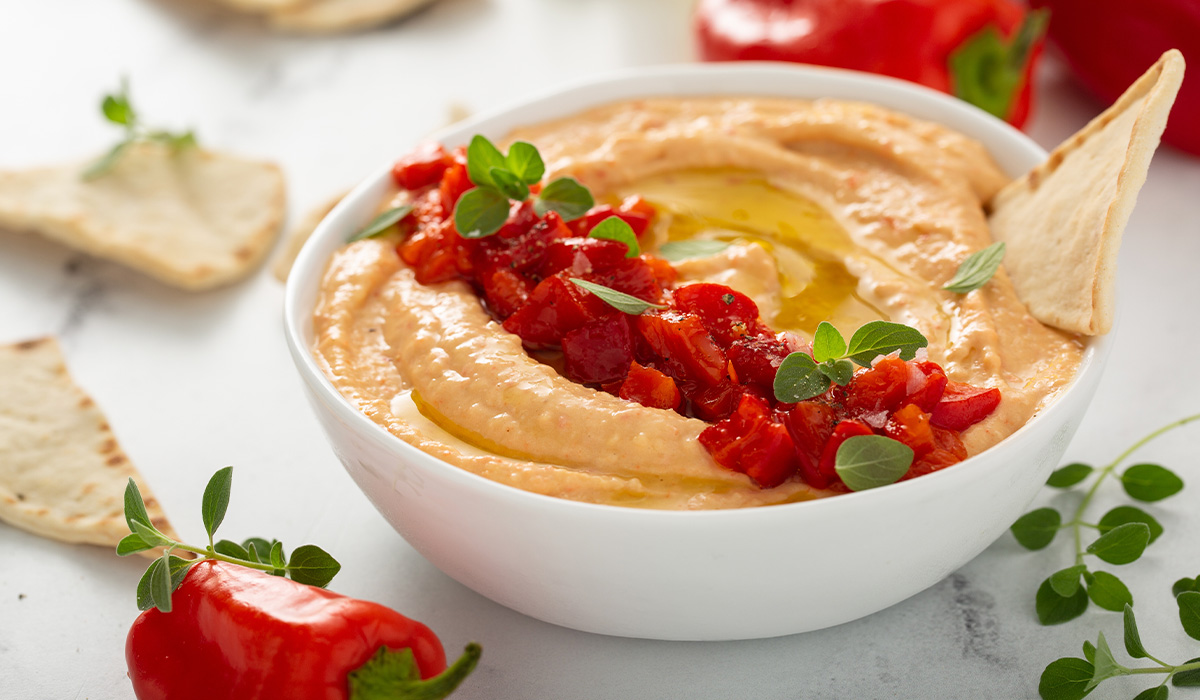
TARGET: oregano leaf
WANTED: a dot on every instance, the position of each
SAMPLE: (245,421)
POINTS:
(1108,591)
(1053,609)
(482,156)
(692,248)
(1129,514)
(614,228)
(798,379)
(1133,639)
(1037,528)
(618,300)
(977,269)
(1150,482)
(566,196)
(1189,612)
(480,212)
(1123,544)
(312,565)
(524,161)
(870,461)
(828,343)
(216,500)
(881,338)
(1068,476)
(1066,679)
(839,372)
(1066,582)
(509,184)
(132,544)
(381,223)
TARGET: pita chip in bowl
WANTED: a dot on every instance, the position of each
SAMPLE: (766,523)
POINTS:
(1063,220)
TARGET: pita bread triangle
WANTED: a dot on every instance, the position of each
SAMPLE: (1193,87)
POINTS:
(188,217)
(62,473)
(1062,222)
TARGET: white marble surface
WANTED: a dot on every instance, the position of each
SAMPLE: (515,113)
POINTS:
(195,382)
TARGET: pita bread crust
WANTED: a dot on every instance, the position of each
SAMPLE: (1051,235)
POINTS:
(299,235)
(1063,220)
(190,218)
(329,16)
(62,473)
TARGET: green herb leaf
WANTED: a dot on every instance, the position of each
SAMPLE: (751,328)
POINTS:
(839,372)
(1105,666)
(870,461)
(482,156)
(828,343)
(258,543)
(882,337)
(1185,584)
(1122,544)
(618,300)
(160,584)
(312,565)
(216,500)
(692,248)
(231,549)
(277,559)
(509,185)
(1068,476)
(1108,591)
(1158,692)
(1066,582)
(150,535)
(798,379)
(252,553)
(117,109)
(1150,482)
(1066,679)
(135,508)
(132,544)
(566,196)
(1089,651)
(1037,528)
(1129,514)
(175,141)
(145,596)
(106,162)
(1189,612)
(614,228)
(525,162)
(381,223)
(1187,679)
(1053,609)
(480,212)
(977,269)
(1133,639)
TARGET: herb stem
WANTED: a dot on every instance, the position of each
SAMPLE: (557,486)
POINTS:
(1076,521)
(213,554)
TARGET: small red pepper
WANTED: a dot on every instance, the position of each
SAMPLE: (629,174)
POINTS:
(1110,43)
(982,51)
(238,634)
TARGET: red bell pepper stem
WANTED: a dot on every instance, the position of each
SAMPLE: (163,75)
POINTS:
(393,675)
(989,72)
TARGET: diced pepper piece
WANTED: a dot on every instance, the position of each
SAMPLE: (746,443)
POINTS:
(650,388)
(963,405)
(455,180)
(505,291)
(684,346)
(581,256)
(810,425)
(910,425)
(555,308)
(756,360)
(880,388)
(727,314)
(599,352)
(749,441)
(421,168)
(930,383)
(841,433)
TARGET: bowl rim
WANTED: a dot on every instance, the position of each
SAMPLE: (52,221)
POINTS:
(309,267)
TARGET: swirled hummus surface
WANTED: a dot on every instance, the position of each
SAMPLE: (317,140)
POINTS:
(898,202)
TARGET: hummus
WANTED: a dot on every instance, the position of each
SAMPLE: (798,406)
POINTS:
(883,209)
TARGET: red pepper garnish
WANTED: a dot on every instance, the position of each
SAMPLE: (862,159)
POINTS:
(239,634)
(983,51)
(702,350)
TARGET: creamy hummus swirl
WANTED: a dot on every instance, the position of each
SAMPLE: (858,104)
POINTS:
(909,194)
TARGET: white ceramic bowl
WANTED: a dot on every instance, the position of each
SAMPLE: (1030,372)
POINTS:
(735,574)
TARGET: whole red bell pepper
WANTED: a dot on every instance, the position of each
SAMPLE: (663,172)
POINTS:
(982,51)
(234,633)
(1109,43)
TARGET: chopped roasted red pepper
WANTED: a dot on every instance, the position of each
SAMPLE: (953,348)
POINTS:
(749,441)
(963,405)
(421,168)
(728,315)
(555,307)
(680,339)
(910,425)
(600,351)
(880,388)
(649,387)
(810,424)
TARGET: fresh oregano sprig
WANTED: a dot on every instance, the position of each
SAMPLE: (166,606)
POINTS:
(1072,678)
(1125,532)
(501,178)
(620,301)
(802,376)
(117,108)
(308,564)
(863,461)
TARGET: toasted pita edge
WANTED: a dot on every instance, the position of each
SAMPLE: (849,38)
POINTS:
(107,471)
(1016,211)
(332,16)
